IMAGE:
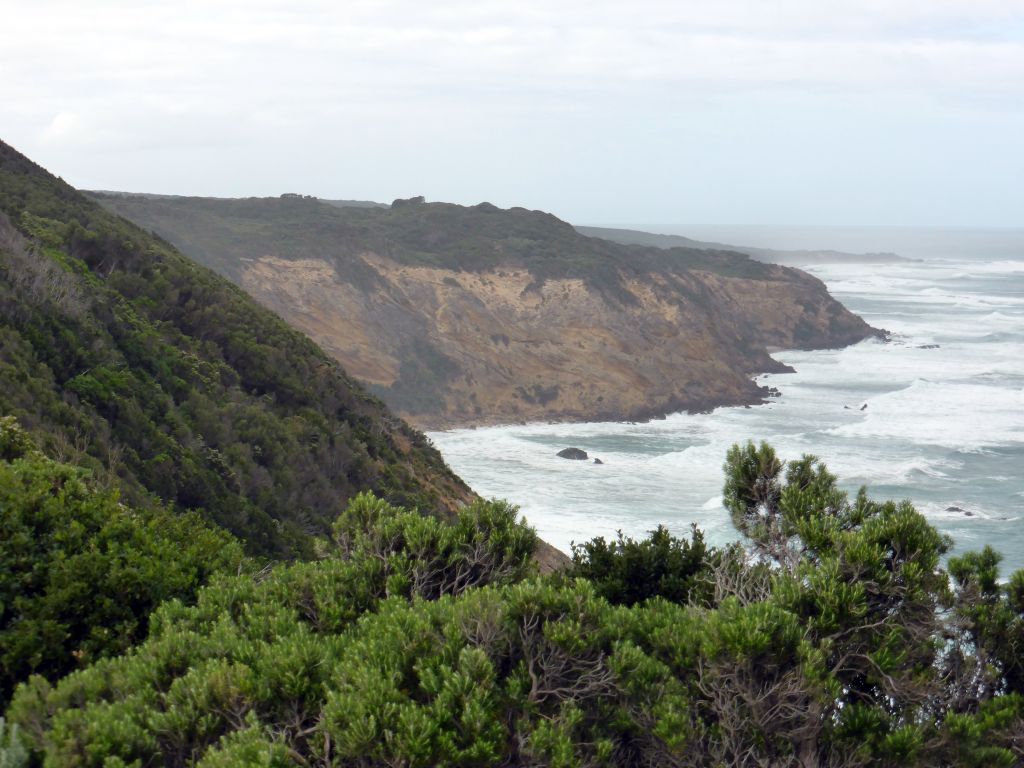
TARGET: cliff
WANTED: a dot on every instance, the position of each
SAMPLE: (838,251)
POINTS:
(474,315)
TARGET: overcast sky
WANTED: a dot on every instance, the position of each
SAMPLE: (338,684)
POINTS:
(646,113)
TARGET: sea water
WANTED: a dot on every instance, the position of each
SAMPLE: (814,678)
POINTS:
(935,415)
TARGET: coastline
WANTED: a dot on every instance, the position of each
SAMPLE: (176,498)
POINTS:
(755,395)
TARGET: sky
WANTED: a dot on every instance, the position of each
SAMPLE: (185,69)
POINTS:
(648,113)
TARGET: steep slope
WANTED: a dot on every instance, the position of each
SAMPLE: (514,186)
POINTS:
(171,384)
(461,316)
(798,258)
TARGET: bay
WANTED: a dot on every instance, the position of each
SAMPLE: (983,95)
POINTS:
(935,415)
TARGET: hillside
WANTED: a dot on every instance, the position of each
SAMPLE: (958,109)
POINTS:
(798,258)
(474,315)
(173,386)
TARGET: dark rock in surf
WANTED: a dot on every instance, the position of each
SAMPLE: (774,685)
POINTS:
(965,512)
(598,461)
(573,453)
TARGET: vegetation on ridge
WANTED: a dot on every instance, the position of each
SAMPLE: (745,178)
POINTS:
(222,233)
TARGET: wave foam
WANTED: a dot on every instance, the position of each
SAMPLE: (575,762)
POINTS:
(960,416)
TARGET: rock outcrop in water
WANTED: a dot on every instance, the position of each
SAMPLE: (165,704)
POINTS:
(462,316)
(577,454)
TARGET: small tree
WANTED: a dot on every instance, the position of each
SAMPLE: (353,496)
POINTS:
(627,572)
(421,556)
(752,493)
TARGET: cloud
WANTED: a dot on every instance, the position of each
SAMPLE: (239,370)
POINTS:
(65,126)
(306,81)
(565,44)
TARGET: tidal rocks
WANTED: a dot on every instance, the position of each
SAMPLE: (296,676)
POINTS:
(576,454)
(965,512)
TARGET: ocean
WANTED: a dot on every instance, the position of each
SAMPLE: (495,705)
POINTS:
(943,424)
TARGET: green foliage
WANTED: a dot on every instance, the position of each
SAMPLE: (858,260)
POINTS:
(15,442)
(13,752)
(416,642)
(425,557)
(222,232)
(120,355)
(253,658)
(80,572)
(752,492)
(252,747)
(532,674)
(992,620)
(863,578)
(626,571)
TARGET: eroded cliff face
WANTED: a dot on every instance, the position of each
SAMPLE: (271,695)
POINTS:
(469,315)
(452,348)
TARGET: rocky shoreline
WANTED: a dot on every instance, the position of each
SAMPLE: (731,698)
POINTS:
(760,396)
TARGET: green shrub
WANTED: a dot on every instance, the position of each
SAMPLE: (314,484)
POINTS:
(13,753)
(80,572)
(626,572)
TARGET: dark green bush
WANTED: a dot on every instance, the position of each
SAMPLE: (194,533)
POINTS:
(626,571)
(80,572)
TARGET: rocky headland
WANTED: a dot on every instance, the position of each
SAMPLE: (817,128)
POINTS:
(459,316)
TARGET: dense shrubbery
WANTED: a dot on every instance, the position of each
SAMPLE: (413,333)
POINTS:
(79,572)
(120,355)
(249,668)
(836,640)
(627,572)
